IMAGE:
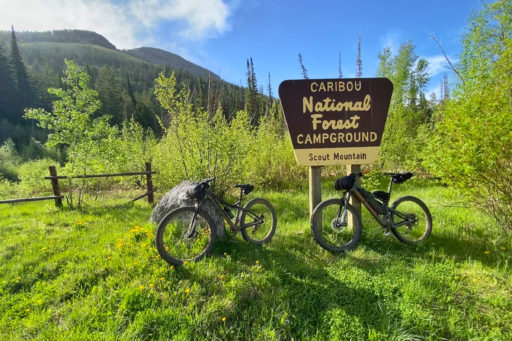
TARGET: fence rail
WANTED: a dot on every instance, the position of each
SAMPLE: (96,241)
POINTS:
(11,201)
(54,177)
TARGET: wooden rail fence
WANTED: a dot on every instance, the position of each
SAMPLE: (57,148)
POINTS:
(54,177)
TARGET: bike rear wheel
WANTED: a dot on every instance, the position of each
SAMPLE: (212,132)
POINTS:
(258,221)
(415,218)
(331,230)
(185,234)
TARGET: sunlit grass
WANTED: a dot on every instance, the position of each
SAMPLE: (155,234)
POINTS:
(95,274)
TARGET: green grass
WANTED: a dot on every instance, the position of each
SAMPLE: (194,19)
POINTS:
(95,274)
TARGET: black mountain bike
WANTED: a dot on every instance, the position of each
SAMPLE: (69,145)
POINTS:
(188,233)
(408,218)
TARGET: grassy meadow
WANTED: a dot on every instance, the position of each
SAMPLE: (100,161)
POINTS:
(95,274)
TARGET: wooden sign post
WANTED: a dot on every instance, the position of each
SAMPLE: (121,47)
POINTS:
(334,121)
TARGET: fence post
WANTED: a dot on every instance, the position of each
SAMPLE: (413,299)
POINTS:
(55,186)
(149,183)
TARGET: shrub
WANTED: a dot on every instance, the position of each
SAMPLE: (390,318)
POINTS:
(31,175)
(270,161)
(9,160)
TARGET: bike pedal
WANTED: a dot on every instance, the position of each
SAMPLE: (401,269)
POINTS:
(387,233)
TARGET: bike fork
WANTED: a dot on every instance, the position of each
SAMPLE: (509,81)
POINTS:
(346,199)
(192,226)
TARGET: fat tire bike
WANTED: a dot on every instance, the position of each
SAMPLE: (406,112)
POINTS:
(188,233)
(336,225)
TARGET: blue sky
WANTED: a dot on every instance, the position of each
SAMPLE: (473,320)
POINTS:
(222,34)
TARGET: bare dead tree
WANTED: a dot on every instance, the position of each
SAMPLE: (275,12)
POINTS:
(451,66)
(359,61)
(340,73)
(304,71)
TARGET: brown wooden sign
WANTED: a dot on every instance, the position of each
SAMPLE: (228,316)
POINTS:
(336,121)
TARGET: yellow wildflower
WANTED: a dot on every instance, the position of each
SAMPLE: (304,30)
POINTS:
(487,252)
(224,319)
(187,291)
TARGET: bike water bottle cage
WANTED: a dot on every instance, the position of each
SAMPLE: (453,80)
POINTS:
(247,188)
(345,183)
(198,192)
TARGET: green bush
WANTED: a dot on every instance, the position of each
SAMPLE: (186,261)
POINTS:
(31,175)
(270,161)
(9,160)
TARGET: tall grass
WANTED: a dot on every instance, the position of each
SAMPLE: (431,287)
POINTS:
(95,274)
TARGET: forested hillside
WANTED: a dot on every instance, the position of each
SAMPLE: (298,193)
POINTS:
(124,79)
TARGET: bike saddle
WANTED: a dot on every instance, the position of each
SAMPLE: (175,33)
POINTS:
(247,188)
(401,177)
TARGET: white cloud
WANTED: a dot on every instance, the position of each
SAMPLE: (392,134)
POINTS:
(126,24)
(438,64)
(203,17)
(391,40)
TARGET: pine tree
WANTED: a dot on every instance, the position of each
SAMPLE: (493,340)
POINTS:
(270,99)
(110,94)
(7,89)
(251,93)
(20,76)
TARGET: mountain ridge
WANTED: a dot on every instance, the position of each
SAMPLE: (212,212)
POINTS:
(150,55)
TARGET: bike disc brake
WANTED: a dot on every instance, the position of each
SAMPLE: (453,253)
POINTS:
(338,225)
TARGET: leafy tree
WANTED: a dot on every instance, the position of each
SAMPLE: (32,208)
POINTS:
(70,124)
(197,145)
(472,144)
(409,109)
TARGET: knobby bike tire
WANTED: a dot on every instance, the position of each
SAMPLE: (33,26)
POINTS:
(419,231)
(258,234)
(170,239)
(322,221)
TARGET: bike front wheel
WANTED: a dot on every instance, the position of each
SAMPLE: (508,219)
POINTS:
(331,228)
(411,219)
(185,234)
(258,221)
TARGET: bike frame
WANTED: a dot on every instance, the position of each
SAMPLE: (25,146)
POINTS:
(385,220)
(217,202)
